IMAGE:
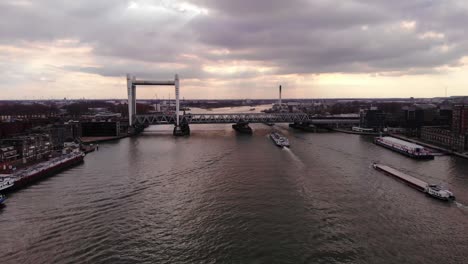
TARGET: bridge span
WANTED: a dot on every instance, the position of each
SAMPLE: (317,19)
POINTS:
(181,122)
(219,118)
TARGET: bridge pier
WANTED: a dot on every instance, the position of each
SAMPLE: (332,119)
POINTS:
(242,127)
(181,130)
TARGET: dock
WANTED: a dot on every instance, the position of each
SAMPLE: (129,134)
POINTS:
(89,140)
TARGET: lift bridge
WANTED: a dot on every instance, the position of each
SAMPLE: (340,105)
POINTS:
(181,122)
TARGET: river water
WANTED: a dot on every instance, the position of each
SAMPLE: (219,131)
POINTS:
(220,197)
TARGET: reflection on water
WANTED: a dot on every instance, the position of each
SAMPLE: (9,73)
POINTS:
(220,197)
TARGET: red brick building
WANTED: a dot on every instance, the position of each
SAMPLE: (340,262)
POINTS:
(460,119)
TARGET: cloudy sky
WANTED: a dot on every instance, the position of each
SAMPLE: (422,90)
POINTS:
(234,48)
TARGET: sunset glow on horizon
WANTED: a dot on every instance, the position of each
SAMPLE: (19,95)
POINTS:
(234,49)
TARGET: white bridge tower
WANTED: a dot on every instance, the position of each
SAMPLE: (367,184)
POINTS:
(132,82)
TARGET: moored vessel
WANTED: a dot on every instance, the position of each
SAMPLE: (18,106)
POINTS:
(406,148)
(433,190)
(44,169)
(280,140)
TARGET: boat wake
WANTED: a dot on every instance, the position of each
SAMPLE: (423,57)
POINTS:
(461,206)
(294,156)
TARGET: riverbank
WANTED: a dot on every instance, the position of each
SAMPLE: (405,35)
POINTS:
(357,133)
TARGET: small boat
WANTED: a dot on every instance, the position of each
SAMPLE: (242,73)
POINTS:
(252,109)
(280,140)
(2,198)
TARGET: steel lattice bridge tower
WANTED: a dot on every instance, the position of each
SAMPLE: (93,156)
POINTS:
(181,122)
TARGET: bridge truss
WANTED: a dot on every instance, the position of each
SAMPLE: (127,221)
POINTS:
(161,119)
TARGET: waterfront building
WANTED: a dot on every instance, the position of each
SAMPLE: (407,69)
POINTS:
(455,139)
(8,129)
(444,137)
(460,119)
(60,133)
(418,115)
(57,136)
(8,153)
(445,115)
(31,147)
(293,107)
(100,129)
(372,118)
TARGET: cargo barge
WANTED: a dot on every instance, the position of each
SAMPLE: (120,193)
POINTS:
(433,190)
(403,147)
(23,177)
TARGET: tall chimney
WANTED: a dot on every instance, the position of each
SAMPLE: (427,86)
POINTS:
(279,96)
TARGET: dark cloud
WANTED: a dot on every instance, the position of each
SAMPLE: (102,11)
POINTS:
(301,36)
(338,36)
(140,70)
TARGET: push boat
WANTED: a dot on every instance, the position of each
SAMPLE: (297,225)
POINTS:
(438,192)
(403,147)
(2,198)
(280,140)
(432,190)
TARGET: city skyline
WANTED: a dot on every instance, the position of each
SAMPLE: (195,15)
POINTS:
(234,49)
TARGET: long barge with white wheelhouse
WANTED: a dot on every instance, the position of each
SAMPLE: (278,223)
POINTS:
(404,147)
(433,190)
(23,177)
